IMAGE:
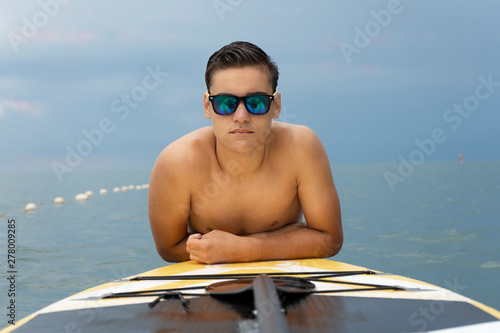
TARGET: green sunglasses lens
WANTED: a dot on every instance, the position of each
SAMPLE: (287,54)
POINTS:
(257,104)
(225,104)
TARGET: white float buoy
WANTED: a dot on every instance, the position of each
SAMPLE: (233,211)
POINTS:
(81,196)
(30,206)
(116,189)
(89,193)
(131,187)
(138,187)
(124,188)
(103,191)
(58,200)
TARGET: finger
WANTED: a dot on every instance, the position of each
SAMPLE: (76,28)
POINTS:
(193,250)
(196,258)
(196,236)
(192,239)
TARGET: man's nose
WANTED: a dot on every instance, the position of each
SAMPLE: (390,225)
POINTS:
(241,113)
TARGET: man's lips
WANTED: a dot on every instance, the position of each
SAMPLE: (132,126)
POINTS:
(241,131)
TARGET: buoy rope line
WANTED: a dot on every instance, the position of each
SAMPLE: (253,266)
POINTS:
(86,196)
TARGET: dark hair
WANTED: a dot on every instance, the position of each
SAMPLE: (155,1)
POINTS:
(240,54)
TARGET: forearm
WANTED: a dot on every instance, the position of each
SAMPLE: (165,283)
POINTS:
(302,242)
(176,253)
(282,230)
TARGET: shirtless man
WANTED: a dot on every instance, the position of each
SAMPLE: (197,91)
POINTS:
(237,191)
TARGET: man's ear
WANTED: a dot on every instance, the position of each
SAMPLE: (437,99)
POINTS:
(206,106)
(277,106)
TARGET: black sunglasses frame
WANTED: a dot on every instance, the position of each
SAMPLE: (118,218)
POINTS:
(244,100)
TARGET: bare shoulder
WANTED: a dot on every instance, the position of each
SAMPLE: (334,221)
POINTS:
(302,149)
(182,157)
(187,151)
(298,138)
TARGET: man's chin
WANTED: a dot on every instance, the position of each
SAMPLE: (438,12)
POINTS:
(244,148)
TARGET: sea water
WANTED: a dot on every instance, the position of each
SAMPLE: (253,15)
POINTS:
(440,225)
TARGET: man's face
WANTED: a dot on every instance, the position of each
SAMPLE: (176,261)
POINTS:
(242,132)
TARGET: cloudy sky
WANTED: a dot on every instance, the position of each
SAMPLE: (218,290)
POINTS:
(91,84)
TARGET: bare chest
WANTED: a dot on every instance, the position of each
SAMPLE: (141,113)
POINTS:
(262,204)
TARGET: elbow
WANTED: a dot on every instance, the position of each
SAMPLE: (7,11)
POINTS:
(336,246)
(166,255)
(169,252)
(170,256)
(336,242)
(333,245)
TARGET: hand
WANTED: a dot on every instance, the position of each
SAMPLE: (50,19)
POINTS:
(215,247)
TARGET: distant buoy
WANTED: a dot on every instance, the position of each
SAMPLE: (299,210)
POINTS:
(58,200)
(131,187)
(89,193)
(30,206)
(138,187)
(116,189)
(124,188)
(103,191)
(81,196)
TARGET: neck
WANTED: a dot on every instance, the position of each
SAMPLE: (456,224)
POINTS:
(238,164)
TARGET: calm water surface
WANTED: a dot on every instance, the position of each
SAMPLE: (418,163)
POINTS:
(441,225)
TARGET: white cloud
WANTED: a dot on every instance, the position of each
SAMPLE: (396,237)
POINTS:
(22,107)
